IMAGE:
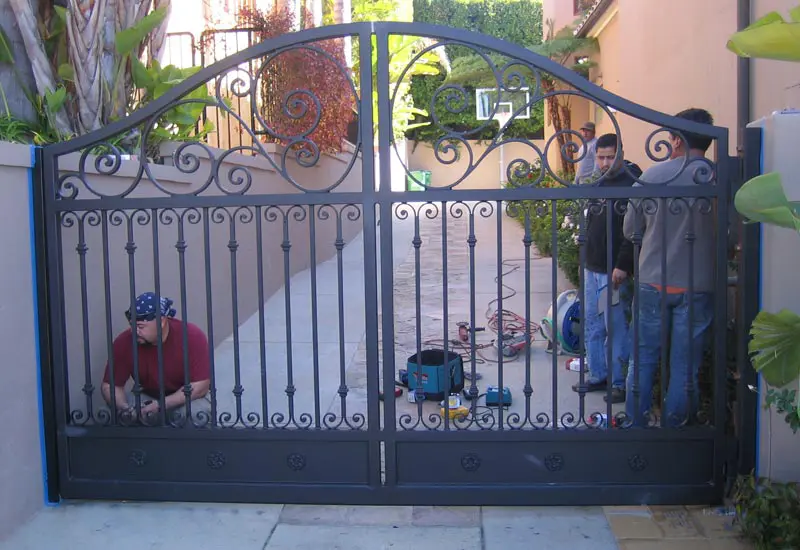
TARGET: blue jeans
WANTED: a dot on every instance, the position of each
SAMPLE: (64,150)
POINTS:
(686,339)
(596,329)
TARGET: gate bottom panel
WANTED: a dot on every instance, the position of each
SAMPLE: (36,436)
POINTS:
(220,460)
(673,462)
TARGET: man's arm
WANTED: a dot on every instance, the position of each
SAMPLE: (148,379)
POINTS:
(178,399)
(120,399)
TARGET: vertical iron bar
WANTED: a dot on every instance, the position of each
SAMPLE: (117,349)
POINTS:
(554,298)
(473,388)
(162,407)
(722,187)
(209,312)
(583,220)
(109,325)
(180,246)
(339,245)
(130,248)
(608,316)
(262,346)
(233,246)
(527,240)
(386,222)
(82,249)
(314,329)
(286,246)
(638,210)
(445,319)
(500,394)
(690,377)
(417,243)
(665,314)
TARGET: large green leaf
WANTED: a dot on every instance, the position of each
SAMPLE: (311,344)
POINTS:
(762,199)
(770,37)
(775,346)
(128,39)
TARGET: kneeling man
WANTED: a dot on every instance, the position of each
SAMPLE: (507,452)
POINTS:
(172,349)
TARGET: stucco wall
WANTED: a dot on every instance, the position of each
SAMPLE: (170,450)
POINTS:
(20,455)
(215,278)
(486,174)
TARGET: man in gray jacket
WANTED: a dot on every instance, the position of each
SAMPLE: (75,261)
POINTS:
(587,165)
(676,267)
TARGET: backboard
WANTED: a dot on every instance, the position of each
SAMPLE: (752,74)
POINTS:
(486,99)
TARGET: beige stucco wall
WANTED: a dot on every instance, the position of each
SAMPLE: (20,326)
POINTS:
(264,181)
(486,174)
(21,493)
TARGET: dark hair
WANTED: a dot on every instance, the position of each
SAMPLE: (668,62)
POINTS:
(606,140)
(696,141)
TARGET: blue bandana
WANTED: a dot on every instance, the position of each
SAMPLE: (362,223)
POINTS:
(146,305)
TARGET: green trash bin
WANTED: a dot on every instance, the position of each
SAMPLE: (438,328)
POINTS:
(417,180)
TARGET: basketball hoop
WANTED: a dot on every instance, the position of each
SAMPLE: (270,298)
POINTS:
(502,105)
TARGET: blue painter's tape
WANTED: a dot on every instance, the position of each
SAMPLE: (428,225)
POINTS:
(32,227)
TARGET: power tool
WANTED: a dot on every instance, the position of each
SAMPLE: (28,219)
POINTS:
(493,398)
(463,331)
(511,343)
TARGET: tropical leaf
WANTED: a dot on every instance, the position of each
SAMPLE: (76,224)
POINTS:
(762,199)
(775,346)
(129,39)
(770,37)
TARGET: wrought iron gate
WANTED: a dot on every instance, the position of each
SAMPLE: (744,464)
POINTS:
(245,240)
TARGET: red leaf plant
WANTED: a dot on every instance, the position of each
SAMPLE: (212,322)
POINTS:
(299,85)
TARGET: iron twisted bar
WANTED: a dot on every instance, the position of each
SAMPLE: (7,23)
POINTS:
(402,212)
(212,390)
(353,213)
(243,215)
(107,308)
(312,229)
(68,220)
(162,407)
(475,419)
(262,346)
(278,419)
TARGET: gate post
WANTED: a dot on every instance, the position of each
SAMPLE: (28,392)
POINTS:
(747,307)
(40,185)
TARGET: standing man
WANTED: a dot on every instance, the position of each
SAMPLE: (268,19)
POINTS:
(682,230)
(586,166)
(172,352)
(604,329)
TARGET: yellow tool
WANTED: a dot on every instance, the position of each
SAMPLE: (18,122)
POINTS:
(461,412)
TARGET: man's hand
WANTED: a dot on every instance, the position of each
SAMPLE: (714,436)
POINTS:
(150,409)
(618,277)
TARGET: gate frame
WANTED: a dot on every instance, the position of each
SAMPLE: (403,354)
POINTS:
(58,479)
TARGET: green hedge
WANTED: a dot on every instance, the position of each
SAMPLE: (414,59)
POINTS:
(540,214)
(518,21)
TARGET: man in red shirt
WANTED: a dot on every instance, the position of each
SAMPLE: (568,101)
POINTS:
(176,372)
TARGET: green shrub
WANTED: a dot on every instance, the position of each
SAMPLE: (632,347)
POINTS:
(567,217)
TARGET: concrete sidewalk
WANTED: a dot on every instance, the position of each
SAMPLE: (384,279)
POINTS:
(178,526)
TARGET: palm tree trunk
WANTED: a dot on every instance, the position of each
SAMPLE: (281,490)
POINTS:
(158,38)
(85,22)
(40,65)
(14,78)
